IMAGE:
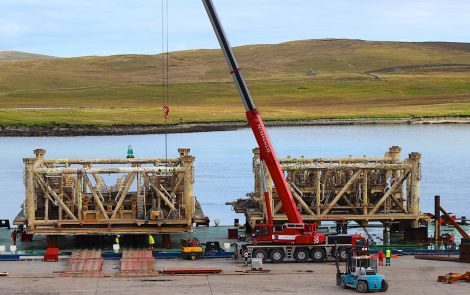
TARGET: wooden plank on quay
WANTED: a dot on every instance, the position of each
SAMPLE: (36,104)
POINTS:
(137,264)
(177,271)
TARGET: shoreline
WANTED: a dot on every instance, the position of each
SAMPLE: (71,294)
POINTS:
(90,130)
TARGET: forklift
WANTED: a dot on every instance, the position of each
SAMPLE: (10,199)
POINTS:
(360,274)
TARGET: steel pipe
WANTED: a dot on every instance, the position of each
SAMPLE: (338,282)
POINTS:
(334,160)
(111,161)
(63,170)
(338,166)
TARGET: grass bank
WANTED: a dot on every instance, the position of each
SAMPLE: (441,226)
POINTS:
(303,80)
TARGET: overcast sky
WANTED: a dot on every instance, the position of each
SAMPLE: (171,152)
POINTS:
(102,27)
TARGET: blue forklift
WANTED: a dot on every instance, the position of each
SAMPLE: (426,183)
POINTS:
(360,275)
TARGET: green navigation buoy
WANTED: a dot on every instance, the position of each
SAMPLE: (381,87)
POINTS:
(130,152)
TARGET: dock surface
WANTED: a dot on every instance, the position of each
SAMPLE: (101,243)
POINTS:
(407,275)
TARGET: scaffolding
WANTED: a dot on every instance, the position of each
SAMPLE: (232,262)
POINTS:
(75,196)
(363,189)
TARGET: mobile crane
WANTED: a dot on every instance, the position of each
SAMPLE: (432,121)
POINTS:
(295,239)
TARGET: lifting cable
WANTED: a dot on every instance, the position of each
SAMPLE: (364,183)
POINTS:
(165,70)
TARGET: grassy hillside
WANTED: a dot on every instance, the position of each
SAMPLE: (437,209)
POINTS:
(18,55)
(415,79)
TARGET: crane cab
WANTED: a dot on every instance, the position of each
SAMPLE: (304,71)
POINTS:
(263,233)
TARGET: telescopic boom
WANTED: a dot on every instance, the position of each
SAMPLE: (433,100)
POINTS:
(267,152)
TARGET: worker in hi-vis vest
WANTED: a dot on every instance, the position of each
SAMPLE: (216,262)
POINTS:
(388,256)
(116,240)
(151,242)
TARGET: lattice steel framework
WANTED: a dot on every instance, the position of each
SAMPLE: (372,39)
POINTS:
(74,196)
(363,189)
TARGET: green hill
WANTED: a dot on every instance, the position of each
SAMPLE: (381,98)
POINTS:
(18,55)
(327,78)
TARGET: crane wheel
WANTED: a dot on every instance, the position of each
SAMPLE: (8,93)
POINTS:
(262,254)
(277,255)
(361,287)
(192,257)
(301,255)
(343,254)
(384,287)
(318,254)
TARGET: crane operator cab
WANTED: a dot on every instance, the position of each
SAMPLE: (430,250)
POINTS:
(261,230)
(360,245)
(263,233)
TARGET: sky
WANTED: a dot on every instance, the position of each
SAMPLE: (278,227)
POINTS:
(69,28)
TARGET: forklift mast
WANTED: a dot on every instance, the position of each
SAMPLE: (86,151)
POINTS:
(267,153)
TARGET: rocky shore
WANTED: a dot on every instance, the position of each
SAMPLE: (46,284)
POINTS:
(90,130)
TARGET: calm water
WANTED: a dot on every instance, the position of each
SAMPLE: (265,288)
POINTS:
(223,159)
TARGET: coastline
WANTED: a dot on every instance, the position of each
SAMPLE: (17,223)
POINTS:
(90,130)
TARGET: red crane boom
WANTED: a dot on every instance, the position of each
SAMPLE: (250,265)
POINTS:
(267,153)
(303,237)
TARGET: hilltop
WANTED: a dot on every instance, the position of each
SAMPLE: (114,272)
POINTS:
(19,55)
(299,80)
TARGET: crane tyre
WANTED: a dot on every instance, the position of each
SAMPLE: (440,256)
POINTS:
(318,255)
(361,287)
(260,253)
(301,255)
(277,255)
(343,254)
